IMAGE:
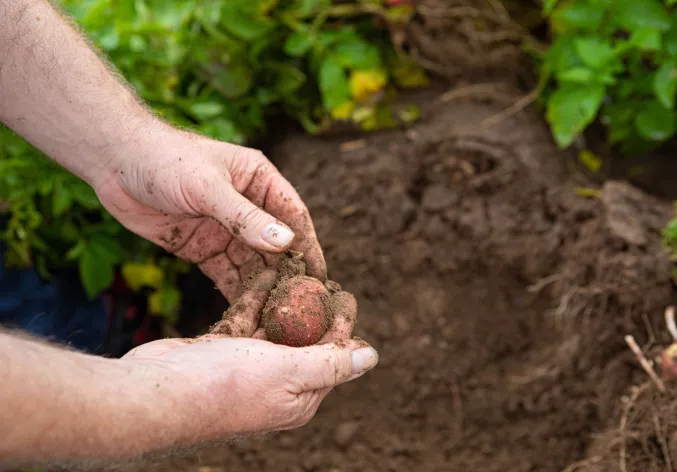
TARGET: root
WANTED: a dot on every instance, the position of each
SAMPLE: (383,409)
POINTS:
(660,437)
(622,453)
(517,107)
(584,463)
(670,322)
(630,340)
(478,91)
(453,36)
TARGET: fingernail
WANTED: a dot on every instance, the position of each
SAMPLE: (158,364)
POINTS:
(277,235)
(364,359)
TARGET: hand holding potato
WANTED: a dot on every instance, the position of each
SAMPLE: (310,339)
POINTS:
(234,382)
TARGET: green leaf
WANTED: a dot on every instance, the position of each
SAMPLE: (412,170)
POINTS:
(670,38)
(333,84)
(594,52)
(165,302)
(206,110)
(646,39)
(62,199)
(579,75)
(562,55)
(304,8)
(665,84)
(571,109)
(654,122)
(232,80)
(96,275)
(549,6)
(85,195)
(288,79)
(355,53)
(637,14)
(299,43)
(619,117)
(242,24)
(579,16)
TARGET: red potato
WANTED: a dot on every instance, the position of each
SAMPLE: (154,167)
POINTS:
(297,313)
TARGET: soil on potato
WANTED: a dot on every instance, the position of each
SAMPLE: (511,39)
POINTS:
(497,297)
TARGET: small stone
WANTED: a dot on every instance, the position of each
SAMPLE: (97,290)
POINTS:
(345,433)
(438,197)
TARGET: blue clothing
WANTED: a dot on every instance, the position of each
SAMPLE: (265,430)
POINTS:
(57,309)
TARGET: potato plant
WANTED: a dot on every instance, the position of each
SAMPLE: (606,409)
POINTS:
(222,68)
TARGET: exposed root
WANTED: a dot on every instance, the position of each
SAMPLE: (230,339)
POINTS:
(477,92)
(458,37)
(630,340)
(670,322)
(660,437)
(584,463)
(623,426)
(518,106)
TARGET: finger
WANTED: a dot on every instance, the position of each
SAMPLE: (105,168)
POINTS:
(247,222)
(245,259)
(209,239)
(344,312)
(251,266)
(260,334)
(239,253)
(327,365)
(284,202)
(243,316)
(224,274)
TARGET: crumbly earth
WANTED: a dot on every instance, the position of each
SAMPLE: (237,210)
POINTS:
(498,299)
(497,294)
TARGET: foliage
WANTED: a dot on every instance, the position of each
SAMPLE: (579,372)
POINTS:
(616,61)
(221,68)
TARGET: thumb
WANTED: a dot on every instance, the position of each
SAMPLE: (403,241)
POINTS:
(328,365)
(249,223)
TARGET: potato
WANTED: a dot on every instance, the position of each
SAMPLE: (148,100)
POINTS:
(297,312)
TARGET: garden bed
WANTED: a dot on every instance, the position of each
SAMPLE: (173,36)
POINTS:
(497,292)
(497,297)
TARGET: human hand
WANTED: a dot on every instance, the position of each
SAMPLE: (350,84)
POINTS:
(220,387)
(222,206)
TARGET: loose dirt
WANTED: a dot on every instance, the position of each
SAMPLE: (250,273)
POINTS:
(498,299)
(497,295)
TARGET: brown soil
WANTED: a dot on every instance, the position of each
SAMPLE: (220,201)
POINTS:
(497,296)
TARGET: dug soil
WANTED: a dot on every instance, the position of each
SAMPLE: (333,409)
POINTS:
(497,286)
(497,296)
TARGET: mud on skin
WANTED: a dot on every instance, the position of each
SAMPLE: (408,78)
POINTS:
(298,309)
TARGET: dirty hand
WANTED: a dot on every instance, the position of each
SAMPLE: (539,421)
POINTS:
(222,387)
(222,206)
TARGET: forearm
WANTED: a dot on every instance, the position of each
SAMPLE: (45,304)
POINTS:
(59,406)
(58,94)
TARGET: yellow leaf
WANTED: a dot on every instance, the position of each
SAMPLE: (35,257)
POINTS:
(588,192)
(363,84)
(343,112)
(142,275)
(155,303)
(165,302)
(590,160)
(410,75)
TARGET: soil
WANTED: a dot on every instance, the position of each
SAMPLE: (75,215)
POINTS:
(497,295)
